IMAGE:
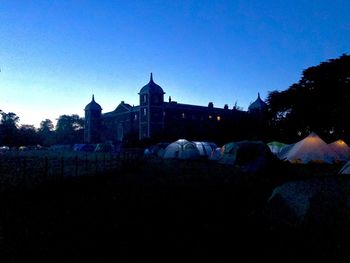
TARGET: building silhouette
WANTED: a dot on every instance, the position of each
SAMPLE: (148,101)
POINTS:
(155,119)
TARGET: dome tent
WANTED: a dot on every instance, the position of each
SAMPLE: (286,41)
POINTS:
(276,147)
(345,169)
(311,149)
(341,149)
(249,156)
(216,154)
(243,152)
(205,148)
(284,151)
(181,149)
(159,149)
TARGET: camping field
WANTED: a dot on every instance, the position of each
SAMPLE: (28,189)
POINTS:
(167,210)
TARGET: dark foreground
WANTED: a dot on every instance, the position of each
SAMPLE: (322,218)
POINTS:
(179,214)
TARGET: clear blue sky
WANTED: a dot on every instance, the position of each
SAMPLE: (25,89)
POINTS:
(55,54)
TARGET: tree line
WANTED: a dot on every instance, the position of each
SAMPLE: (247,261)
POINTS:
(319,102)
(68,130)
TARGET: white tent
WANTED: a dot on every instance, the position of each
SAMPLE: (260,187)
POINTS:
(342,150)
(311,149)
(345,169)
(205,148)
(181,149)
(276,147)
(284,151)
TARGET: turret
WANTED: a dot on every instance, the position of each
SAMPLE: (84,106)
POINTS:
(92,124)
(258,106)
(151,109)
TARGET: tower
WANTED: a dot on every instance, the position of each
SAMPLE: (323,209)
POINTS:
(92,124)
(258,106)
(151,110)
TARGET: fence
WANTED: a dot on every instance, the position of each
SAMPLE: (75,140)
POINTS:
(25,168)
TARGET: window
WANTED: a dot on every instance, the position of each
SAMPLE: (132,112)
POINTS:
(144,112)
(135,117)
(183,115)
(210,117)
(145,98)
(218,118)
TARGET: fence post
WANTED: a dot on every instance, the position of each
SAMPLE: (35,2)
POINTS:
(24,171)
(104,163)
(96,165)
(62,167)
(76,165)
(86,164)
(110,162)
(46,167)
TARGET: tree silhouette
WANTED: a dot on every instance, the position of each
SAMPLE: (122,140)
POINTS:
(27,135)
(9,129)
(318,102)
(69,129)
(46,132)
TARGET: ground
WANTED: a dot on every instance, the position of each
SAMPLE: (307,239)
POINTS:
(166,211)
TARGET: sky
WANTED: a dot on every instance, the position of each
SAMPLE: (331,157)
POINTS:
(55,54)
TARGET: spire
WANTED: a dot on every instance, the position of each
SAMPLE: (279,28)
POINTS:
(93,97)
(151,80)
(259,95)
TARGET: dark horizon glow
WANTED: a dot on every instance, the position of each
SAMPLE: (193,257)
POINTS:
(55,54)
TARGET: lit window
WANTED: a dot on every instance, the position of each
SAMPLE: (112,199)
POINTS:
(218,118)
(210,117)
(144,112)
(135,118)
(183,115)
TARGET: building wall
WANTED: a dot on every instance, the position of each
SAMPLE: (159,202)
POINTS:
(155,119)
(92,126)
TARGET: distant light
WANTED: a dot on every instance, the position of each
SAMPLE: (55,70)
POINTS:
(218,118)
(210,117)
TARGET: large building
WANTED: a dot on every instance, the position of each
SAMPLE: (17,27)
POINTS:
(155,118)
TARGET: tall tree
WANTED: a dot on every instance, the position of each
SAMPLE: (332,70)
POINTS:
(69,129)
(27,135)
(9,129)
(318,102)
(46,132)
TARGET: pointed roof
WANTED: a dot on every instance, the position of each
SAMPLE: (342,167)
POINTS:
(93,105)
(258,104)
(311,149)
(123,107)
(151,87)
(342,149)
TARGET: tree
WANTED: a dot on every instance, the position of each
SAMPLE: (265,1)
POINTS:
(318,102)
(46,126)
(27,135)
(9,129)
(69,129)
(46,132)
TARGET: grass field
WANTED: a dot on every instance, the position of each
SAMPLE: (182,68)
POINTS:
(169,211)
